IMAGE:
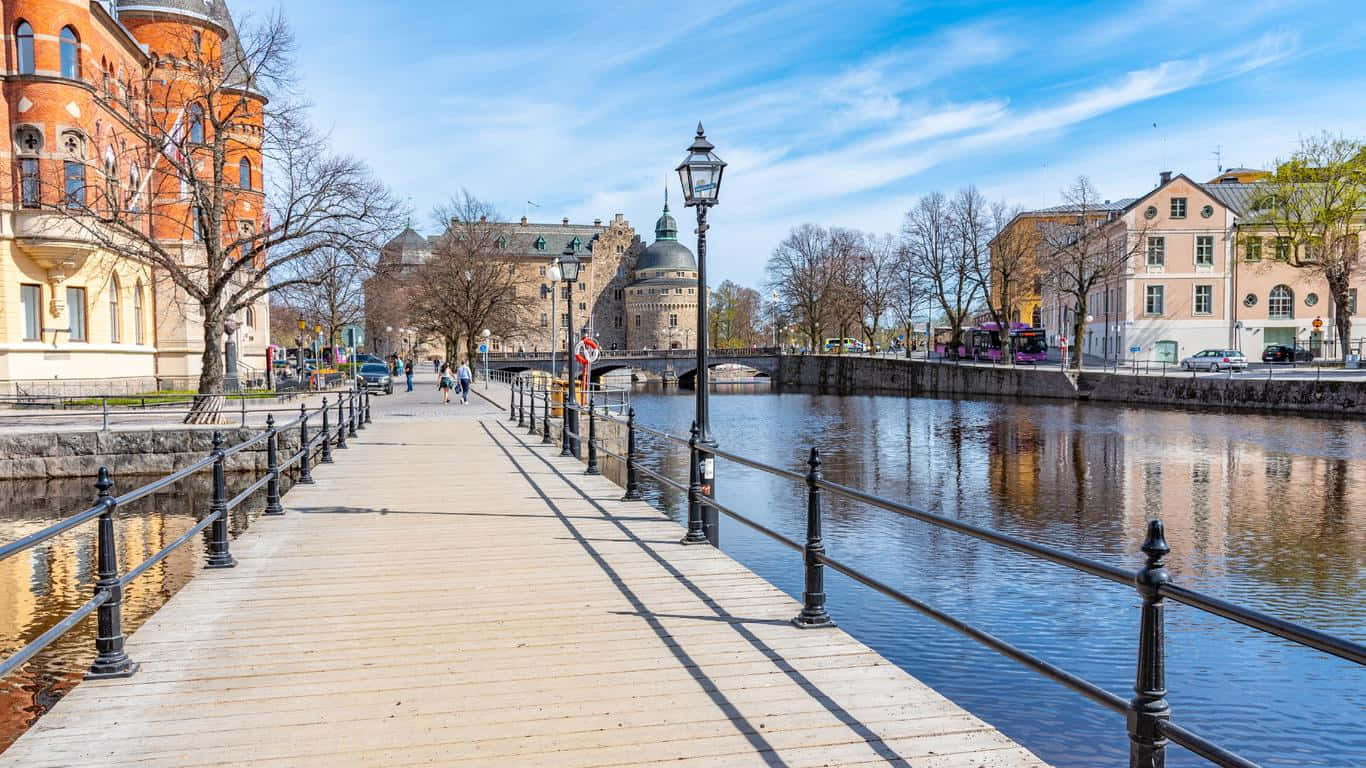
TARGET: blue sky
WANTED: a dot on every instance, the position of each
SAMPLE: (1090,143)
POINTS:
(836,113)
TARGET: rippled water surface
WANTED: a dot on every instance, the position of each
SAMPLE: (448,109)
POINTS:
(1268,511)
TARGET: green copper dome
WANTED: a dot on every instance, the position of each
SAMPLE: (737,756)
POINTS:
(666,228)
(666,253)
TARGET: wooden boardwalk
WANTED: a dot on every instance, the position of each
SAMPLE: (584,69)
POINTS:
(448,594)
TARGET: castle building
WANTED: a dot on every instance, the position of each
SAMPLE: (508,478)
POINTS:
(79,77)
(628,296)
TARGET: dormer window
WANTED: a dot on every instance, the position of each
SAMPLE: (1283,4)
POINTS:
(540,243)
(502,244)
(576,243)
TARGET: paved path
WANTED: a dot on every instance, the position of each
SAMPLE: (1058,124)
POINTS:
(450,595)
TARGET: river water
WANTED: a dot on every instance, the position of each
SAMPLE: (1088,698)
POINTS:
(1267,511)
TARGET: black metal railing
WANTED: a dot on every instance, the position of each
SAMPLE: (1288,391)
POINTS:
(353,413)
(1148,714)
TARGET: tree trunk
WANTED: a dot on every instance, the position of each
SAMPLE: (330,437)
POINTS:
(1078,327)
(1342,315)
(208,404)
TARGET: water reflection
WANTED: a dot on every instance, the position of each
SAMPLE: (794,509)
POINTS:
(39,587)
(1262,510)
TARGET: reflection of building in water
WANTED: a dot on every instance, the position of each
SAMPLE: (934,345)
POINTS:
(40,586)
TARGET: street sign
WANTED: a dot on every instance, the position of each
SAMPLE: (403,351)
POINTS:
(483,348)
(1135,349)
(1318,323)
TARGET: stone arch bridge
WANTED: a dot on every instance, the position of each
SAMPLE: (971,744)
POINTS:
(682,363)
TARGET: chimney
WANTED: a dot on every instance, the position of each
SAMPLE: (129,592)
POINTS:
(454,222)
(524,221)
(1164,177)
(483,219)
(565,221)
(597,222)
(619,218)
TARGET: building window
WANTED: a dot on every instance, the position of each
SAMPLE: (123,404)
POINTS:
(616,321)
(541,273)
(71,54)
(23,44)
(30,301)
(244,174)
(1282,249)
(1157,251)
(75,310)
(1351,301)
(1204,250)
(637,321)
(564,319)
(115,332)
(617,294)
(198,41)
(620,248)
(133,197)
(1250,300)
(1280,303)
(691,290)
(545,320)
(673,321)
(1152,300)
(74,174)
(196,116)
(195,213)
(678,290)
(29,182)
(1204,299)
(1311,300)
(1252,251)
(583,306)
(540,243)
(576,244)
(1178,207)
(582,287)
(137,313)
(564,292)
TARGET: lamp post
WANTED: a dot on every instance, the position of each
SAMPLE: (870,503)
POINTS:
(318,343)
(700,173)
(299,350)
(569,273)
(554,274)
(773,302)
(486,335)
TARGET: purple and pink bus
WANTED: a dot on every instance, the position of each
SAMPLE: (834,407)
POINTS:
(1030,345)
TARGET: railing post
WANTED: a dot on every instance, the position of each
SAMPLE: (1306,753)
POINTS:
(351,414)
(273,467)
(305,471)
(592,437)
(368,418)
(326,435)
(545,417)
(521,403)
(512,399)
(110,658)
(564,426)
(531,422)
(361,395)
(632,486)
(813,613)
(1149,708)
(696,533)
(104,409)
(219,556)
(341,423)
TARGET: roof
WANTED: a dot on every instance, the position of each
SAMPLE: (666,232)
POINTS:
(237,70)
(1108,205)
(1236,197)
(413,247)
(200,10)
(666,252)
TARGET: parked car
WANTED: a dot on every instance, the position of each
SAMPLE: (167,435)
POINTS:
(1281,353)
(1215,360)
(369,358)
(850,345)
(375,376)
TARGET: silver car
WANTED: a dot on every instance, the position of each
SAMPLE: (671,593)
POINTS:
(1215,360)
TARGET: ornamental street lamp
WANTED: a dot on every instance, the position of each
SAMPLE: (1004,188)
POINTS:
(554,274)
(486,336)
(700,173)
(569,273)
(299,350)
(318,345)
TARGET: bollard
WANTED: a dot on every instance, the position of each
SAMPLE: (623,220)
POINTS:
(813,615)
(351,414)
(632,486)
(696,533)
(545,418)
(219,556)
(305,473)
(341,423)
(364,396)
(367,407)
(531,422)
(326,435)
(592,438)
(1149,709)
(273,467)
(564,429)
(521,403)
(110,658)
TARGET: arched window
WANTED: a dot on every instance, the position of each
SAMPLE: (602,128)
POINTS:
(244,174)
(114,329)
(195,113)
(134,189)
(71,54)
(23,44)
(251,317)
(1280,303)
(137,313)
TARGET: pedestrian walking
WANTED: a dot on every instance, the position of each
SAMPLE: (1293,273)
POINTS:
(436,366)
(408,374)
(444,383)
(463,377)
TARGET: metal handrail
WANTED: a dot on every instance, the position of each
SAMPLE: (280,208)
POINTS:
(111,660)
(1148,714)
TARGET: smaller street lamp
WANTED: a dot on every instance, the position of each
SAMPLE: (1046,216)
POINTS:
(486,335)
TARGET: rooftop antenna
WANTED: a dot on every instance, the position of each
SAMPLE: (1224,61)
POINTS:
(1219,157)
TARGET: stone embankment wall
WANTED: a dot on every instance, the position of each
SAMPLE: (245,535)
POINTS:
(866,375)
(127,452)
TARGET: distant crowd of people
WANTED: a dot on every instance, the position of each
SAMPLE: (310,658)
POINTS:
(448,379)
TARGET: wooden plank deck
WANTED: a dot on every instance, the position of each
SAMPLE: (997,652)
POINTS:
(450,595)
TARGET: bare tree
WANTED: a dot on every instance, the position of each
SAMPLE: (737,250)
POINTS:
(910,295)
(1082,252)
(330,289)
(1315,202)
(881,272)
(1013,263)
(939,256)
(734,316)
(469,284)
(221,233)
(800,271)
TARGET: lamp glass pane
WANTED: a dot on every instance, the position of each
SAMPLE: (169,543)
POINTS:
(569,267)
(685,179)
